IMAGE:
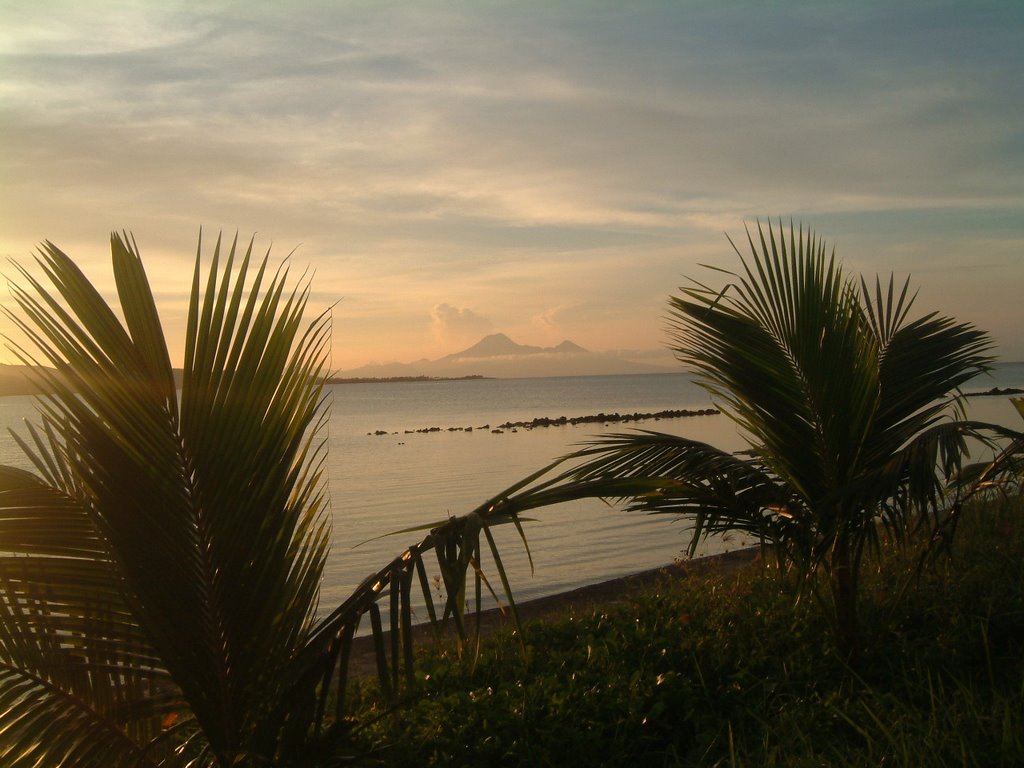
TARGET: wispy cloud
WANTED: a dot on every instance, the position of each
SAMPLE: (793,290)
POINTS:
(524,157)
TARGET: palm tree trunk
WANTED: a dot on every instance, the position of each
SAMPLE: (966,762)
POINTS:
(844,600)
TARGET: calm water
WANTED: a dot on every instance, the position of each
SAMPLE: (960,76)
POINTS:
(383,483)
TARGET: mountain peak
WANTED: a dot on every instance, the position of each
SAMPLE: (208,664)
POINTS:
(500,345)
(498,356)
(569,347)
(495,345)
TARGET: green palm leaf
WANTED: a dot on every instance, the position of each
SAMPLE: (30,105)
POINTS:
(161,569)
(77,675)
(205,518)
(851,408)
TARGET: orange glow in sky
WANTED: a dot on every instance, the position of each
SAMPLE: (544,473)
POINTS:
(546,170)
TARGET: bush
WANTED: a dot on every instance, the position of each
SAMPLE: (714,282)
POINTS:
(727,670)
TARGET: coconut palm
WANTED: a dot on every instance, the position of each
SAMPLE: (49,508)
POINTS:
(160,567)
(850,407)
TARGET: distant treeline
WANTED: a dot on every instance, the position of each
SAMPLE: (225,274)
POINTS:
(21,380)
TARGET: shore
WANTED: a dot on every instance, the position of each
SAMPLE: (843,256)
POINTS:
(570,603)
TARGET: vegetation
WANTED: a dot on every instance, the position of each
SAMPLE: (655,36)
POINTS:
(160,569)
(851,408)
(722,669)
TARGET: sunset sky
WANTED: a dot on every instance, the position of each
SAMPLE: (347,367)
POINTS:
(549,170)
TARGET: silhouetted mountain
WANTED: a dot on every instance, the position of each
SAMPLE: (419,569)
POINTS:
(568,347)
(20,380)
(15,380)
(500,345)
(494,356)
(498,356)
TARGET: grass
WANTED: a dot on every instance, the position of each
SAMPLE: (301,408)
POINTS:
(728,670)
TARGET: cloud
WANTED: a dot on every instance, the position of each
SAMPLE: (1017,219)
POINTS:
(526,156)
(458,325)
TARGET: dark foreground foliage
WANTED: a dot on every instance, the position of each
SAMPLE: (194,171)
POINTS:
(726,670)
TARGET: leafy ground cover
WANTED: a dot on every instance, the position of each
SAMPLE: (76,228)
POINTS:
(729,670)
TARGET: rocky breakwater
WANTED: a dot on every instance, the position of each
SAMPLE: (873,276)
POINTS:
(542,422)
(604,419)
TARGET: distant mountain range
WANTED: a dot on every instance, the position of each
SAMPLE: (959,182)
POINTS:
(498,356)
(494,356)
(14,380)
(20,380)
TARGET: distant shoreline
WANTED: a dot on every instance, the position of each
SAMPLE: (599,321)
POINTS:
(19,380)
(402,379)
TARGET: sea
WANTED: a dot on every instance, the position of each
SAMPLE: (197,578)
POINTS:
(404,455)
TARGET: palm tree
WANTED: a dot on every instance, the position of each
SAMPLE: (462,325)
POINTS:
(851,409)
(160,567)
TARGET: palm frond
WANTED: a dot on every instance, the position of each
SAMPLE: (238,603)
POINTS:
(851,408)
(79,678)
(210,515)
(769,350)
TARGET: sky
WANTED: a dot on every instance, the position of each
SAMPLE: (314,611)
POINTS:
(444,170)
